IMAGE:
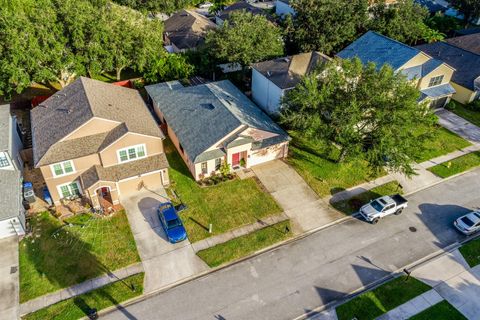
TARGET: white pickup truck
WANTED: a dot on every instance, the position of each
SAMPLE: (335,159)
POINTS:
(382,207)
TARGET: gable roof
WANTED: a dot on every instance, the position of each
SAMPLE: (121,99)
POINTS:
(466,63)
(470,42)
(240,6)
(74,105)
(376,48)
(187,29)
(5,130)
(287,72)
(202,115)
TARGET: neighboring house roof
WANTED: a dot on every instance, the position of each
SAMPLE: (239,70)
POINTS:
(287,72)
(5,130)
(432,5)
(73,106)
(125,170)
(240,6)
(464,32)
(10,204)
(376,48)
(203,115)
(469,42)
(187,29)
(466,63)
(285,1)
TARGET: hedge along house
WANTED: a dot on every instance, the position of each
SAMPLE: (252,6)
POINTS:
(430,76)
(214,123)
(98,141)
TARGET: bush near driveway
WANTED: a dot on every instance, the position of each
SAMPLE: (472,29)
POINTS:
(471,252)
(104,297)
(354,204)
(245,245)
(58,255)
(226,206)
(441,310)
(374,303)
(457,165)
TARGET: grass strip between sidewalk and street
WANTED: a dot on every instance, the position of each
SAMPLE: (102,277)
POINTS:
(244,245)
(374,303)
(101,298)
(471,252)
(441,310)
(457,165)
(353,204)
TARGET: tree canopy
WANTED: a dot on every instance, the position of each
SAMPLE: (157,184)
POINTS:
(365,111)
(158,6)
(245,38)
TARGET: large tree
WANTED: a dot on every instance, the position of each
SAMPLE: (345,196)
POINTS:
(158,6)
(365,111)
(245,38)
(469,8)
(327,25)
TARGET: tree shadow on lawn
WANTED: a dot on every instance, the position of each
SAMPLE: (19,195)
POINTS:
(354,204)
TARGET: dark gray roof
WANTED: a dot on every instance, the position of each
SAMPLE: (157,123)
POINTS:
(240,6)
(187,29)
(432,5)
(469,42)
(376,48)
(464,32)
(77,103)
(287,72)
(10,200)
(436,92)
(5,130)
(466,63)
(201,116)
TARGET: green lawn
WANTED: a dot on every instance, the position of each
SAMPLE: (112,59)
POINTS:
(245,245)
(443,142)
(378,301)
(471,252)
(352,205)
(457,165)
(467,114)
(226,206)
(441,310)
(78,307)
(59,255)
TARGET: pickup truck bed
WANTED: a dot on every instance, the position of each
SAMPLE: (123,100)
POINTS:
(399,200)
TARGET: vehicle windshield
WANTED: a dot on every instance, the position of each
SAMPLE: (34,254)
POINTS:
(173,223)
(376,205)
(467,221)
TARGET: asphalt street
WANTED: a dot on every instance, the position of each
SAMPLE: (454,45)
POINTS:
(321,268)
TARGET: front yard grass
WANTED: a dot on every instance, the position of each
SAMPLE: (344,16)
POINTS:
(471,252)
(378,301)
(443,142)
(457,165)
(226,206)
(245,245)
(462,111)
(104,297)
(58,255)
(441,310)
(352,205)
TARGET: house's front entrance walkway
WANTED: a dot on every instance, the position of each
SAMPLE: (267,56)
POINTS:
(164,263)
(9,308)
(300,203)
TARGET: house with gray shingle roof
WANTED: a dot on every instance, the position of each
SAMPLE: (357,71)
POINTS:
(12,214)
(429,75)
(98,141)
(214,123)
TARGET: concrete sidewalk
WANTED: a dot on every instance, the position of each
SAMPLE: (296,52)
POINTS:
(413,307)
(78,289)
(9,292)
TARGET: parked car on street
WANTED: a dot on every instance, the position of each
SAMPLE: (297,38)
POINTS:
(469,223)
(171,223)
(382,207)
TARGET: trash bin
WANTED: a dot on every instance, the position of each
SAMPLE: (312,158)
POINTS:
(46,196)
(28,193)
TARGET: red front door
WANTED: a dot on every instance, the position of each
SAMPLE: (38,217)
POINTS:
(235,159)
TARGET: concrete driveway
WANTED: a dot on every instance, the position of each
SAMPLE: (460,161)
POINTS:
(164,263)
(9,300)
(460,126)
(301,204)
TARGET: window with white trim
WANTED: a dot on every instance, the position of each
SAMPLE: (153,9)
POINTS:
(62,168)
(69,190)
(435,81)
(4,160)
(204,167)
(132,153)
(218,163)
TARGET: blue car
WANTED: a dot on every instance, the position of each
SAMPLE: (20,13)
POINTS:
(171,223)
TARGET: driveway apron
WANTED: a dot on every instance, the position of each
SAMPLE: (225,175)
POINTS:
(460,126)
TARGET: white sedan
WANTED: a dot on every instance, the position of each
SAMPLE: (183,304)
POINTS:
(469,223)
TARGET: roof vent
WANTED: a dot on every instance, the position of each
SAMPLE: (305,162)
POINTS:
(207,106)
(269,74)
(286,59)
(43,106)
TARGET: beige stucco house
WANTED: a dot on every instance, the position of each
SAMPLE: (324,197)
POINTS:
(215,123)
(98,141)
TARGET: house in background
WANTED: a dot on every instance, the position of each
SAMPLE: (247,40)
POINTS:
(239,6)
(12,213)
(214,123)
(469,42)
(98,141)
(430,76)
(271,79)
(185,30)
(282,8)
(432,6)
(466,79)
